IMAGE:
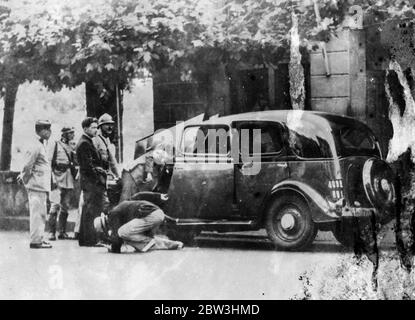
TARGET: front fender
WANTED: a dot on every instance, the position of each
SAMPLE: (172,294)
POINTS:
(321,209)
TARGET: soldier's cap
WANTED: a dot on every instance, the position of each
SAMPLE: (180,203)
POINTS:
(105,119)
(67,130)
(43,124)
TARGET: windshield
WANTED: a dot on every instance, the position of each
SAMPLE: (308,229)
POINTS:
(354,139)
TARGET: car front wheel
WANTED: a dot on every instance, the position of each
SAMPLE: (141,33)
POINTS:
(289,224)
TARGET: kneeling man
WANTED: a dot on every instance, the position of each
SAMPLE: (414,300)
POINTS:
(134,222)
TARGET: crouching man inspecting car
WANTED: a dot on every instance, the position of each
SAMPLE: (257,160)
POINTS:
(134,222)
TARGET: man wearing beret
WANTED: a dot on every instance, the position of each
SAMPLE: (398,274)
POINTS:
(36,176)
(64,174)
(93,182)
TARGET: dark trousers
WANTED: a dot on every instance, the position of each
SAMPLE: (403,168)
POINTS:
(94,201)
(62,207)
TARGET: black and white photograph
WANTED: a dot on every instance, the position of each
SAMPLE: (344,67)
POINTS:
(207,150)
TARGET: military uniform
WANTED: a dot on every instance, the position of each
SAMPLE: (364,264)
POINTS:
(62,160)
(107,150)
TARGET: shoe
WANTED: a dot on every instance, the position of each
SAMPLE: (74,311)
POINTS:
(177,245)
(43,245)
(100,244)
(52,237)
(87,244)
(114,248)
(64,236)
(151,243)
(76,236)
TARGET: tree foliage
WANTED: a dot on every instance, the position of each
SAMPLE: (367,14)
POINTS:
(66,43)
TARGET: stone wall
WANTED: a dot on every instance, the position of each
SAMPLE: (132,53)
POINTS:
(14,205)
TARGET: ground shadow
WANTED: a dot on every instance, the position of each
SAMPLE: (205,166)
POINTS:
(225,241)
(248,242)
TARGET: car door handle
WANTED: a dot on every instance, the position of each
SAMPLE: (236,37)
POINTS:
(282,165)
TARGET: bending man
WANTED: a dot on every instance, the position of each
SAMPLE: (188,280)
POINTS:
(134,222)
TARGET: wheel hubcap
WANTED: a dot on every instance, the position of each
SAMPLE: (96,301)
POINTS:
(287,221)
(289,225)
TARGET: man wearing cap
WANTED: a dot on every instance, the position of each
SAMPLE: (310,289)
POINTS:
(134,223)
(93,181)
(36,177)
(64,174)
(104,146)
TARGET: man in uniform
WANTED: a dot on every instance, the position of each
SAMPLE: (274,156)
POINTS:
(105,147)
(93,182)
(36,177)
(64,174)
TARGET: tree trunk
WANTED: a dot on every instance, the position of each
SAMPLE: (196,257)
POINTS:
(218,93)
(296,70)
(120,149)
(7,135)
(99,102)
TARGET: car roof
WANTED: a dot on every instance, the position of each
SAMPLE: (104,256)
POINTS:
(281,116)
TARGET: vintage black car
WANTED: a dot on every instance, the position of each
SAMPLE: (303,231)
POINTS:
(290,172)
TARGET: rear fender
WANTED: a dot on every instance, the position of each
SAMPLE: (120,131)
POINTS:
(321,209)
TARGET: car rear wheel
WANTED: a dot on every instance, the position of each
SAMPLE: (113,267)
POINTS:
(378,181)
(289,224)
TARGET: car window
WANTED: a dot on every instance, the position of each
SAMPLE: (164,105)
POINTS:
(354,139)
(309,140)
(308,147)
(206,140)
(262,138)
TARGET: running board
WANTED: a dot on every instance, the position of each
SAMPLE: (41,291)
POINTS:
(195,222)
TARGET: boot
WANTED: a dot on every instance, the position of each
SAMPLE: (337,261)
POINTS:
(64,236)
(43,245)
(52,224)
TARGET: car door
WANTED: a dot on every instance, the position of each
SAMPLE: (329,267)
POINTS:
(261,163)
(202,182)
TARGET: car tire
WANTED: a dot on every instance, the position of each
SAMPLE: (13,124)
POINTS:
(289,224)
(344,233)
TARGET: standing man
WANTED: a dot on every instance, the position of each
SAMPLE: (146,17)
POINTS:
(64,173)
(36,176)
(105,147)
(93,181)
